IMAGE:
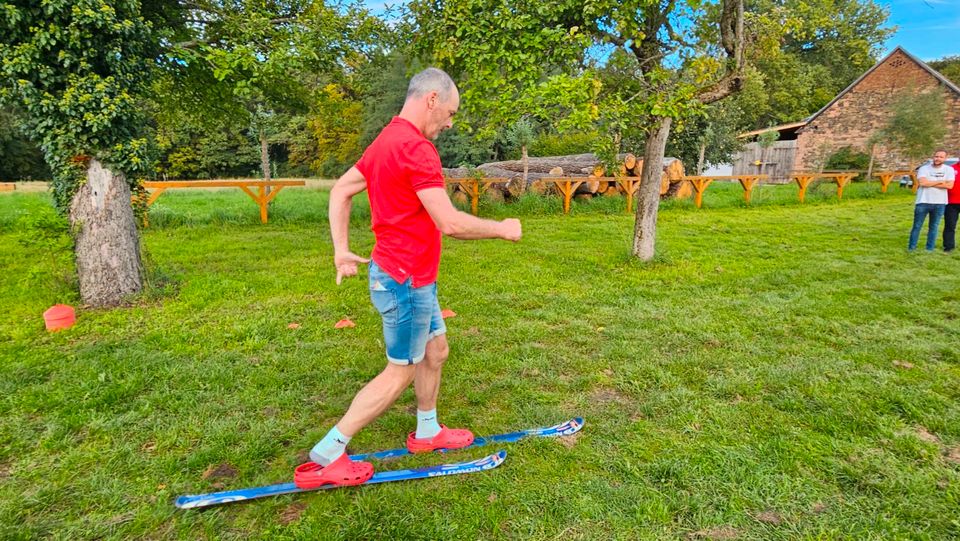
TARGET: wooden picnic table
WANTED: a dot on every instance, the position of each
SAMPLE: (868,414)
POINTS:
(887,176)
(474,187)
(7,186)
(700,183)
(566,186)
(262,198)
(804,178)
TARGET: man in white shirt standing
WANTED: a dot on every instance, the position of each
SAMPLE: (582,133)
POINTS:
(934,181)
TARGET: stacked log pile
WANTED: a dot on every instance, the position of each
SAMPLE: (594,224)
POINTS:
(574,165)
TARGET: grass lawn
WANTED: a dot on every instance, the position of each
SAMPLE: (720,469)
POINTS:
(781,371)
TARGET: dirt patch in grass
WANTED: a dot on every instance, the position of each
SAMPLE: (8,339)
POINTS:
(292,512)
(720,533)
(219,472)
(607,395)
(952,455)
(818,508)
(925,435)
(769,517)
(569,441)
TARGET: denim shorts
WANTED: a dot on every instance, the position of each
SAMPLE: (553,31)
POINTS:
(411,315)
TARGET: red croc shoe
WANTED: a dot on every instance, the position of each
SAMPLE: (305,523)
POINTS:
(341,472)
(447,438)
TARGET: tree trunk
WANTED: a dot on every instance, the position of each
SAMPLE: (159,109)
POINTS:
(873,149)
(703,153)
(107,245)
(526,169)
(264,156)
(265,160)
(648,195)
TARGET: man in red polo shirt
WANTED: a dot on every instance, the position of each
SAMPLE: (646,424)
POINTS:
(951,213)
(410,211)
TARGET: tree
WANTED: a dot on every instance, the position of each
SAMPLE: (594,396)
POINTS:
(916,125)
(76,70)
(811,50)
(265,62)
(522,134)
(949,67)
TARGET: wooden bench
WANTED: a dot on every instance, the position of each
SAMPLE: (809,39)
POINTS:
(887,176)
(7,186)
(804,178)
(474,187)
(262,198)
(700,183)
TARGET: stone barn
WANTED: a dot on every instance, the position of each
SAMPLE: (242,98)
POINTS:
(857,113)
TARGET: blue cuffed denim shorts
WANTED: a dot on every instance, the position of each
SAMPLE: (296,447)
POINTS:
(411,315)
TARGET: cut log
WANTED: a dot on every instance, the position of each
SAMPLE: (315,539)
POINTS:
(583,196)
(556,171)
(495,193)
(612,191)
(590,187)
(629,161)
(540,187)
(598,171)
(460,197)
(604,184)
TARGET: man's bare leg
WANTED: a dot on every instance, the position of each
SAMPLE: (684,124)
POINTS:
(427,380)
(374,399)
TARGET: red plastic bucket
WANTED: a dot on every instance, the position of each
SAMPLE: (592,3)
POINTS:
(59,316)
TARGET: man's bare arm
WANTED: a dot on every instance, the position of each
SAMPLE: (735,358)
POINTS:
(341,201)
(463,226)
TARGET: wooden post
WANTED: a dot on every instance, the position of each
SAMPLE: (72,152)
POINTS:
(803,181)
(566,187)
(885,179)
(842,180)
(629,186)
(699,186)
(747,182)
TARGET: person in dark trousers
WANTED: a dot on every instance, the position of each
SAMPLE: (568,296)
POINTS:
(934,181)
(951,213)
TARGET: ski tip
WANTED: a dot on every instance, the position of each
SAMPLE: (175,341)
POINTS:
(185,502)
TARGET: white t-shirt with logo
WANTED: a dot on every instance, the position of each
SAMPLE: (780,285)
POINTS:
(935,196)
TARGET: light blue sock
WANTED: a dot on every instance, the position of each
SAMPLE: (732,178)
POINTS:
(427,425)
(329,448)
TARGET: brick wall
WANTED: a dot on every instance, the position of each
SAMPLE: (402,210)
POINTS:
(866,108)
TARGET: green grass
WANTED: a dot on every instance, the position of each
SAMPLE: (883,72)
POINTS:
(742,385)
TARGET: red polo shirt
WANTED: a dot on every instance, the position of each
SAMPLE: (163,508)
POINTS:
(953,194)
(399,163)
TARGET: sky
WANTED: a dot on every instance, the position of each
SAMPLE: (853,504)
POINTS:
(927,29)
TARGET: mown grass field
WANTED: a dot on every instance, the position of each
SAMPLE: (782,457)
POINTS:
(782,371)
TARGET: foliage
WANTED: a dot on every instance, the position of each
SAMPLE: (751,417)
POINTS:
(714,132)
(807,51)
(334,124)
(949,67)
(20,158)
(457,148)
(848,158)
(562,144)
(510,59)
(916,126)
(79,98)
(192,151)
